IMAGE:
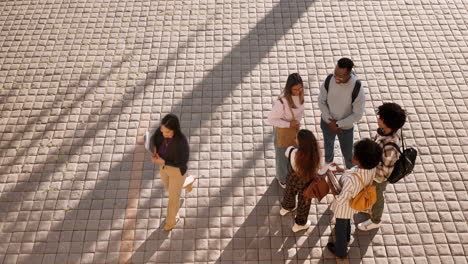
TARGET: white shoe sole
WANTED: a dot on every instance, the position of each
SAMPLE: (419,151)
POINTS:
(369,229)
(189,180)
(297,228)
(284,212)
(294,209)
(366,226)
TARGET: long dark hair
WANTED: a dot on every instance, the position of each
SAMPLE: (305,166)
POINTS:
(171,122)
(293,79)
(307,156)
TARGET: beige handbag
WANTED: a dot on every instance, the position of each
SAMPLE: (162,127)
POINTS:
(285,137)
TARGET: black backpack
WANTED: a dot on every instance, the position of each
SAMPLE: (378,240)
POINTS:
(357,87)
(404,164)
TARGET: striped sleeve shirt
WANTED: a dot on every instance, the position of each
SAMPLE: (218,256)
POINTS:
(351,186)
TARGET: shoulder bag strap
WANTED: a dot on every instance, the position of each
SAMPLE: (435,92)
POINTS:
(290,109)
(284,107)
(289,158)
(289,154)
(395,146)
(360,179)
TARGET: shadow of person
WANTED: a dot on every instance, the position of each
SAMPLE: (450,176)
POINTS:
(359,243)
(159,239)
(362,239)
(311,248)
(150,247)
(253,235)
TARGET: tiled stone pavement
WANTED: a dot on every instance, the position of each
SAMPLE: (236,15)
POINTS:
(82,80)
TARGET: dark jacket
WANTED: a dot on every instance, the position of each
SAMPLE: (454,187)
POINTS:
(177,154)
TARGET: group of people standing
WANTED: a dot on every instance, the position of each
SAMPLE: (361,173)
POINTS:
(342,102)
(298,160)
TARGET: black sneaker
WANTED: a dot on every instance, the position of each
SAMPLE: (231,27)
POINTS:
(331,247)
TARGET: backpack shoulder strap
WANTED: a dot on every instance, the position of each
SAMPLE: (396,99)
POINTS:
(402,138)
(394,145)
(289,154)
(357,88)
(289,158)
(327,82)
(360,179)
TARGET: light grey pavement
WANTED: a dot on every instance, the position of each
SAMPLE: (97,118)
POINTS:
(81,80)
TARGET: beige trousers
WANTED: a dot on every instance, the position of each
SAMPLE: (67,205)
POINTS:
(173,182)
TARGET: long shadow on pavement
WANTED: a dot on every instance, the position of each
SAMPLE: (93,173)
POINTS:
(313,243)
(95,198)
(203,213)
(357,249)
(255,232)
(252,48)
(362,240)
(273,240)
(264,36)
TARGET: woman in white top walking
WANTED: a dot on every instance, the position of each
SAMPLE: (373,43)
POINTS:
(287,112)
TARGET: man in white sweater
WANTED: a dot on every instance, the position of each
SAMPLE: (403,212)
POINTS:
(341,100)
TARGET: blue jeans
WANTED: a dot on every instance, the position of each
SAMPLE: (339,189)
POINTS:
(346,143)
(281,161)
(343,236)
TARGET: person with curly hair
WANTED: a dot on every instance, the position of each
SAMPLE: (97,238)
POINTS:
(367,155)
(303,165)
(391,118)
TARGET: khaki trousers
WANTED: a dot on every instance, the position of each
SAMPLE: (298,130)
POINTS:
(173,182)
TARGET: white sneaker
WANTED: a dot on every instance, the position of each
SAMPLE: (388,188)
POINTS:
(283,185)
(323,168)
(368,225)
(284,211)
(297,228)
(188,184)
